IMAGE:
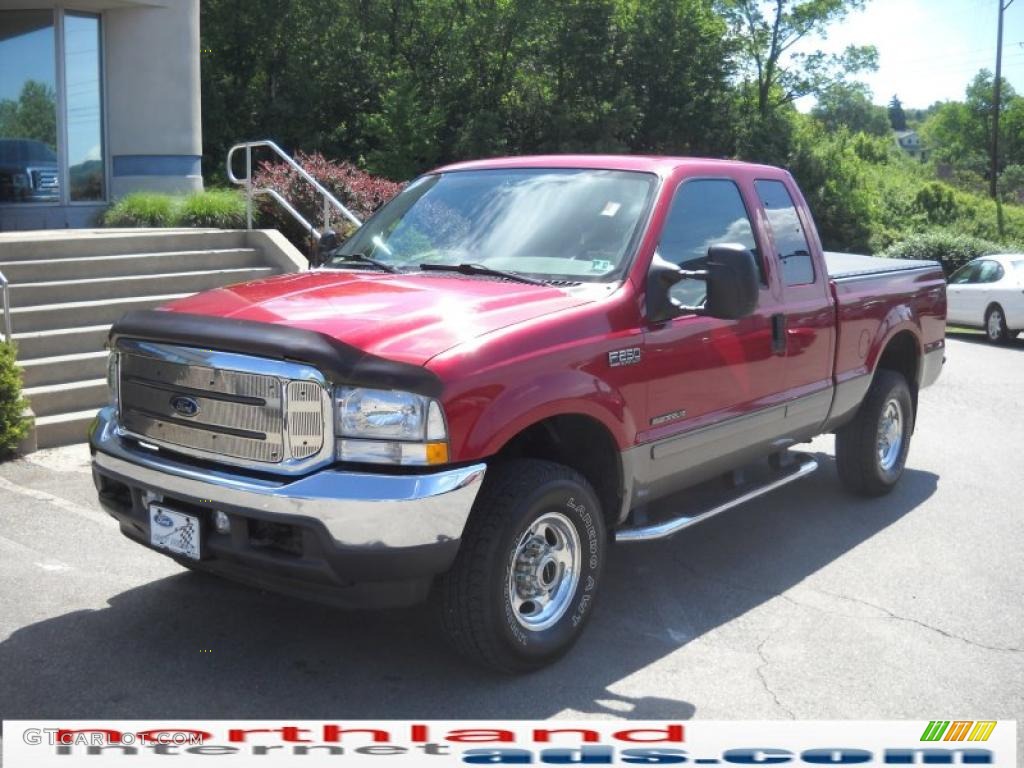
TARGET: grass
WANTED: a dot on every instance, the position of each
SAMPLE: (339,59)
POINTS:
(222,208)
(141,209)
(218,208)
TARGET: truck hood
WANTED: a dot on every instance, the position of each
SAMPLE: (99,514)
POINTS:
(410,318)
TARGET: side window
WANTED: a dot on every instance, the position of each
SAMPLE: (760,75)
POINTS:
(705,212)
(967,274)
(990,272)
(790,238)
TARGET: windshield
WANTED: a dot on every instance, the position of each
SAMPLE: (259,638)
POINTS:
(549,223)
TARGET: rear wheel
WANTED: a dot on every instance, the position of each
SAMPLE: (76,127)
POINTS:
(871,451)
(524,581)
(995,325)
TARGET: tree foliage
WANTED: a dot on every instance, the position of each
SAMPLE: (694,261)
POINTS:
(33,115)
(406,84)
(769,37)
(394,87)
(897,117)
(849,105)
(959,133)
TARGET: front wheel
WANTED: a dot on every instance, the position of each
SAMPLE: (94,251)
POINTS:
(871,451)
(995,325)
(524,582)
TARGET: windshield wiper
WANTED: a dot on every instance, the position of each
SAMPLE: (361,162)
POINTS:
(362,258)
(480,269)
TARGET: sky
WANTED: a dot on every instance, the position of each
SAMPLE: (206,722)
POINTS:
(929,50)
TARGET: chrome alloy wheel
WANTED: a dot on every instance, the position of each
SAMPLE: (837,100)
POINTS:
(890,435)
(544,571)
(995,325)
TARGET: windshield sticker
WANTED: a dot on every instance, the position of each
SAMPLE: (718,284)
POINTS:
(610,209)
(600,265)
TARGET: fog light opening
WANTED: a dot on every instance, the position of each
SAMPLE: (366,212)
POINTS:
(221,522)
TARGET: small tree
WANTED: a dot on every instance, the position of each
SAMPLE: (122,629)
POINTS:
(12,426)
(766,36)
(897,117)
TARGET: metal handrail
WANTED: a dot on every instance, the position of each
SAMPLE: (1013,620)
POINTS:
(5,287)
(328,198)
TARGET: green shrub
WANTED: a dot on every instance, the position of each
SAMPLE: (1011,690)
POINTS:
(953,250)
(937,202)
(220,208)
(12,427)
(141,209)
(833,180)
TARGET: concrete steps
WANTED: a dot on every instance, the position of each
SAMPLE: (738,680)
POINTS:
(68,287)
(129,286)
(60,341)
(134,264)
(64,428)
(46,317)
(41,371)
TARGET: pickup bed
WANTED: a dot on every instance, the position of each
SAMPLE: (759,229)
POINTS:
(494,378)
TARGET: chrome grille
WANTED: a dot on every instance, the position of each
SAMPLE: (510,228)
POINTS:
(305,419)
(170,397)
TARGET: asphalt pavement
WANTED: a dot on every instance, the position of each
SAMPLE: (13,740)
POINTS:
(808,603)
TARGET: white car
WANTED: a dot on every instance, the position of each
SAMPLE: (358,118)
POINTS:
(988,293)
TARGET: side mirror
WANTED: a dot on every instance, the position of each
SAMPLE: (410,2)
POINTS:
(732,285)
(328,241)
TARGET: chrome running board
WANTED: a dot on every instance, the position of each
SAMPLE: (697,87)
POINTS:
(802,467)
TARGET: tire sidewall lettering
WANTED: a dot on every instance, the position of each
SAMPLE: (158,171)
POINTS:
(571,622)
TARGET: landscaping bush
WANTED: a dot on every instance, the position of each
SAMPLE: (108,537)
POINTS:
(12,427)
(358,190)
(141,209)
(219,208)
(951,249)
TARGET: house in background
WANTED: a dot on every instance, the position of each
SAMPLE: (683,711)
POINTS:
(98,98)
(910,142)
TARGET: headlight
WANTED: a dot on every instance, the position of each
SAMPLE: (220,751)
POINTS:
(383,426)
(112,377)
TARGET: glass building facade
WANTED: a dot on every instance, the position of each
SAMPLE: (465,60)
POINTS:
(52,149)
(98,99)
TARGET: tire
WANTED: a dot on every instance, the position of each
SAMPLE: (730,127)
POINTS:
(488,616)
(995,326)
(867,465)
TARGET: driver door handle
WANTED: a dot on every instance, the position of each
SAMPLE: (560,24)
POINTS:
(779,334)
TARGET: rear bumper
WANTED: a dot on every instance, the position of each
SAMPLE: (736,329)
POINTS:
(352,538)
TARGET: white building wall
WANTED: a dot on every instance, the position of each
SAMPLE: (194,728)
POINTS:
(154,126)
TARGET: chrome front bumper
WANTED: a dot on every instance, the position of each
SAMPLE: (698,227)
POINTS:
(357,509)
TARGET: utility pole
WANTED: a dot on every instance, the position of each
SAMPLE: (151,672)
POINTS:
(996,102)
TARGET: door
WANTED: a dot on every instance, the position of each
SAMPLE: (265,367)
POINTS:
(808,316)
(967,294)
(712,383)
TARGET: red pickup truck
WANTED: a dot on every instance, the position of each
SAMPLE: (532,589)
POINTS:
(494,378)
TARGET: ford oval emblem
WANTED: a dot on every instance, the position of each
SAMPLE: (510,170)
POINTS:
(162,520)
(185,406)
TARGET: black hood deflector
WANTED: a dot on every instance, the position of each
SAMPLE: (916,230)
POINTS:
(341,363)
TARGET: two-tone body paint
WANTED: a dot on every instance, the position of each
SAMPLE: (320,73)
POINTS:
(511,355)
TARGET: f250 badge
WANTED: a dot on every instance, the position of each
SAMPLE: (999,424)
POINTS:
(620,357)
